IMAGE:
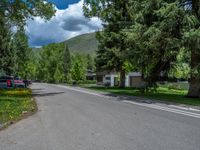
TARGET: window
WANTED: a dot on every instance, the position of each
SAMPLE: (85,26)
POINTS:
(108,78)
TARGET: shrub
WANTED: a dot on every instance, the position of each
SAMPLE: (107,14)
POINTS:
(86,82)
(174,87)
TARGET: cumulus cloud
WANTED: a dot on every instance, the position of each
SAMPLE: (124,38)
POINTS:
(65,24)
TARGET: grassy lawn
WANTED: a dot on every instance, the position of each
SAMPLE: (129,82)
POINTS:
(14,104)
(162,94)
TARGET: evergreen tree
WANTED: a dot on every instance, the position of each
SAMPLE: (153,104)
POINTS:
(6,51)
(90,62)
(155,39)
(160,30)
(17,11)
(58,74)
(66,63)
(111,54)
(78,70)
(192,43)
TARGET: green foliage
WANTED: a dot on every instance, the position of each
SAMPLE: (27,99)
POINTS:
(58,75)
(150,35)
(78,70)
(155,40)
(18,11)
(22,55)
(55,64)
(6,50)
(87,82)
(174,87)
(50,65)
(90,62)
(66,58)
(111,54)
(15,54)
(181,69)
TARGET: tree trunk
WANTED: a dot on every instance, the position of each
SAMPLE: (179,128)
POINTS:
(194,90)
(122,78)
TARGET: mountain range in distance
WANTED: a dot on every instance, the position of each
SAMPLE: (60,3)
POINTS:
(83,44)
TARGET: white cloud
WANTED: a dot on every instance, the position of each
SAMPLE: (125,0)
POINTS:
(64,25)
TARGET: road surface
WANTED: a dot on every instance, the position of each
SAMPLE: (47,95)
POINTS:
(71,119)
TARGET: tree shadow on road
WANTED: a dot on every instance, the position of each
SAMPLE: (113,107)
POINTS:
(131,98)
(42,93)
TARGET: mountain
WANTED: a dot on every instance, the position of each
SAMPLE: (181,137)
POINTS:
(86,44)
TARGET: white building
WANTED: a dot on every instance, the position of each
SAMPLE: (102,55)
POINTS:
(110,80)
(133,79)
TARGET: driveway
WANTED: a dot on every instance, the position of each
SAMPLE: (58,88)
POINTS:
(75,119)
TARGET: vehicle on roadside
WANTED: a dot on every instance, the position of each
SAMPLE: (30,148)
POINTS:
(6,82)
(27,82)
(19,83)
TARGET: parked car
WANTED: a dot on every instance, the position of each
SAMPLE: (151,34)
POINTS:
(19,83)
(6,82)
(27,82)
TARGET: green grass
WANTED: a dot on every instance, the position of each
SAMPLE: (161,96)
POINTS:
(181,85)
(162,94)
(14,104)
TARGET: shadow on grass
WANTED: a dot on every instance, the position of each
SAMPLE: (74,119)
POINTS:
(163,95)
(23,93)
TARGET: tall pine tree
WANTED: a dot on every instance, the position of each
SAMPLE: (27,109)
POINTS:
(155,38)
(66,63)
(111,54)
(192,38)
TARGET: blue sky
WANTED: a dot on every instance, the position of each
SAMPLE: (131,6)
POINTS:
(63,4)
(68,22)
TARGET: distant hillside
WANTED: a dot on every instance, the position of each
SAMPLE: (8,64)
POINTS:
(86,43)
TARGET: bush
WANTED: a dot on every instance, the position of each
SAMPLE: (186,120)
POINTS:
(174,87)
(86,82)
(81,82)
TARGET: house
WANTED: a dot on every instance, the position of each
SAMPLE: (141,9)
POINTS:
(133,79)
(103,77)
(111,80)
(90,75)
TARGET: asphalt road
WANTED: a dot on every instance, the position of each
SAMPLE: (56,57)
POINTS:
(71,119)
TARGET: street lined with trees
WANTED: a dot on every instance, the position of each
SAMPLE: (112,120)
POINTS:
(144,41)
(56,64)
(157,38)
(15,54)
(151,35)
